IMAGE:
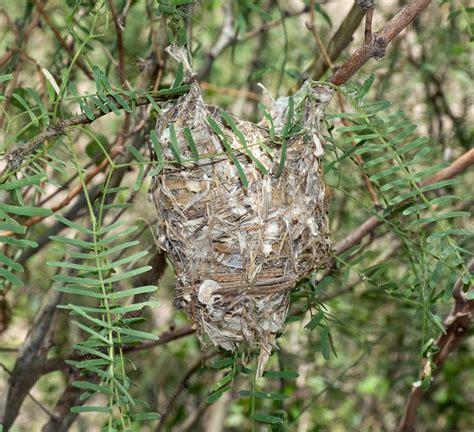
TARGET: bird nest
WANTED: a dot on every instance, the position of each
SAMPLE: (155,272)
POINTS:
(239,233)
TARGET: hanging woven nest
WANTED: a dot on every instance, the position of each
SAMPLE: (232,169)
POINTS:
(239,239)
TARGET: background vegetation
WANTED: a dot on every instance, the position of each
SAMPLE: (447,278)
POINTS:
(380,337)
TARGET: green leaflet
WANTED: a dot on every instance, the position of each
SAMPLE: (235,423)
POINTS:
(222,382)
(220,133)
(217,394)
(90,408)
(6,77)
(281,374)
(141,170)
(228,119)
(11,277)
(325,342)
(13,227)
(174,143)
(313,323)
(223,363)
(40,105)
(92,332)
(10,263)
(27,108)
(126,275)
(149,416)
(25,211)
(26,181)
(96,321)
(268,419)
(156,147)
(122,310)
(263,395)
(84,106)
(21,243)
(153,103)
(137,334)
(192,145)
(133,291)
(179,76)
(96,388)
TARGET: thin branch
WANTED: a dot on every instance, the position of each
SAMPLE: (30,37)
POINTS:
(358,157)
(268,25)
(341,39)
(15,158)
(36,401)
(368,25)
(456,326)
(227,36)
(61,40)
(183,386)
(119,28)
(379,41)
(231,91)
(311,25)
(458,166)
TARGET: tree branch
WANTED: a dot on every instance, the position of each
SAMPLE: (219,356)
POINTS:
(376,46)
(341,39)
(119,27)
(456,325)
(458,166)
(15,158)
(61,40)
(368,25)
(25,373)
(227,37)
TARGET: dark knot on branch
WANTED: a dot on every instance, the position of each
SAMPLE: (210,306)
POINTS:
(365,4)
(377,46)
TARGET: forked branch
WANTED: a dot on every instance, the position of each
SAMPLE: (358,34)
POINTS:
(375,44)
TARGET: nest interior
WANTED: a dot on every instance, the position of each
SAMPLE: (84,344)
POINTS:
(238,251)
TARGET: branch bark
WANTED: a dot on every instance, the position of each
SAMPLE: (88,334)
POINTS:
(25,373)
(378,42)
(456,325)
(458,166)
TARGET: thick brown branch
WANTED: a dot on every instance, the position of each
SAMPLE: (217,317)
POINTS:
(25,373)
(379,41)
